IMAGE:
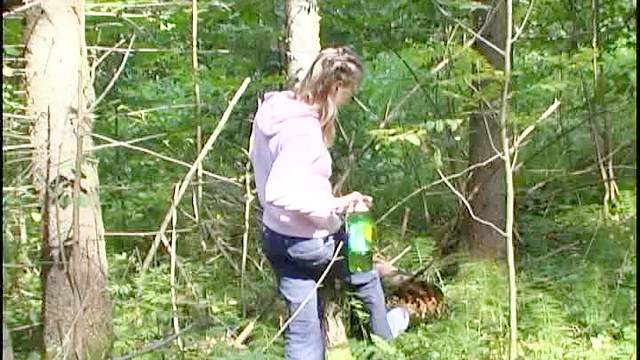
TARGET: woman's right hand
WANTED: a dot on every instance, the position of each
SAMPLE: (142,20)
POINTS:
(347,204)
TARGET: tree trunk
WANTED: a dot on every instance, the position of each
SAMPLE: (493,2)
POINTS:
(303,36)
(601,137)
(76,309)
(303,45)
(7,349)
(486,187)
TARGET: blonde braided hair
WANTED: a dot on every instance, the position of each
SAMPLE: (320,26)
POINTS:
(329,83)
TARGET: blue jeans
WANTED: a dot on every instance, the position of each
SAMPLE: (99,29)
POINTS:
(298,263)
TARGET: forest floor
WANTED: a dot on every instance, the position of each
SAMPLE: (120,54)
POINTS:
(576,291)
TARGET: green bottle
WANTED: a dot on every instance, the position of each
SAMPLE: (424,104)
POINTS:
(359,226)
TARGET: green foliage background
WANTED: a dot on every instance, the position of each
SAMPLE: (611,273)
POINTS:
(576,275)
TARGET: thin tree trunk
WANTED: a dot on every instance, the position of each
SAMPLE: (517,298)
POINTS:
(303,45)
(303,36)
(196,102)
(7,349)
(76,308)
(510,200)
(485,189)
(601,139)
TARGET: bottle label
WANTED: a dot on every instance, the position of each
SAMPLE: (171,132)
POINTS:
(360,236)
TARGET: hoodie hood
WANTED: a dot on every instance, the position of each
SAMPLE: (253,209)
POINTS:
(278,109)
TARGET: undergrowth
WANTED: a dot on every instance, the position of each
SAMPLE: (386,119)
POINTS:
(576,299)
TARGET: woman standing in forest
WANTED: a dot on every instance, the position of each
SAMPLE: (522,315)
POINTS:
(292,131)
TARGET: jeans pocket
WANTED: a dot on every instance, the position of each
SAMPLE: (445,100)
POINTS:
(310,253)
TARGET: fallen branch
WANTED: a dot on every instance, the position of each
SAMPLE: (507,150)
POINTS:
(185,182)
(244,334)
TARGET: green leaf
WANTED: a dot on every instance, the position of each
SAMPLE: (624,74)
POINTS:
(437,157)
(36,216)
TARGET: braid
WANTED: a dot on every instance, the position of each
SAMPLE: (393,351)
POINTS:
(334,68)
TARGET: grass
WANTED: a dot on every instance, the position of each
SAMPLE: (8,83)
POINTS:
(576,300)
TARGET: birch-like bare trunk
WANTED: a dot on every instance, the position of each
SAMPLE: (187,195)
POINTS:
(602,138)
(486,187)
(7,349)
(303,45)
(303,36)
(76,308)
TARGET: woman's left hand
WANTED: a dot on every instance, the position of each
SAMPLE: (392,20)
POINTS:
(353,202)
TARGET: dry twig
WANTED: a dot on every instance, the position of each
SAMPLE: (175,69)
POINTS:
(185,182)
(163,157)
(468,206)
(307,298)
(115,76)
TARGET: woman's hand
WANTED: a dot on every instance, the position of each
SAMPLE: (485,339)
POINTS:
(352,202)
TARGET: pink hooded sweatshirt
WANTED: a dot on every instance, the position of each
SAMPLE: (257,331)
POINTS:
(292,168)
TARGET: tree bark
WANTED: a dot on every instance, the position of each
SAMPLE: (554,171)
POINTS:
(76,308)
(303,45)
(7,349)
(486,186)
(303,36)
(601,137)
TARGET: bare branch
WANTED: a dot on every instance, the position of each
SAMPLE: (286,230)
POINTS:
(129,142)
(163,157)
(155,50)
(365,108)
(21,8)
(142,233)
(524,22)
(468,206)
(441,65)
(425,187)
(17,116)
(486,127)
(154,345)
(185,182)
(172,280)
(114,14)
(476,35)
(399,256)
(17,147)
(99,60)
(248,198)
(307,298)
(518,140)
(115,77)
(159,108)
